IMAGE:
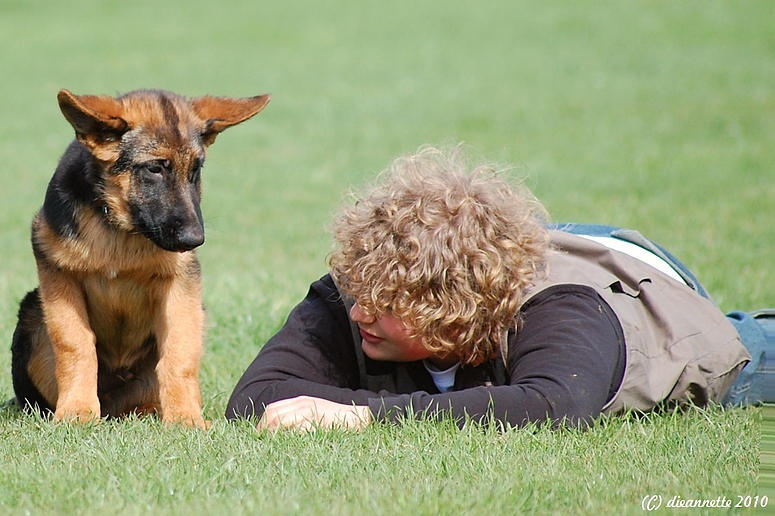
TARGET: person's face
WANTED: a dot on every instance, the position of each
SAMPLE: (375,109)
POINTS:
(387,338)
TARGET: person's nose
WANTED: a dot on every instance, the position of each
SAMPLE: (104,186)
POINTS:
(359,315)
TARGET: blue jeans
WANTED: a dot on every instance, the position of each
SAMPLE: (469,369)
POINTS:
(752,385)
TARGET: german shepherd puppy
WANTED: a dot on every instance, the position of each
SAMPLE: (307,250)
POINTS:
(116,325)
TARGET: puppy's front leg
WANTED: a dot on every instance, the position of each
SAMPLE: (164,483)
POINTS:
(74,346)
(180,334)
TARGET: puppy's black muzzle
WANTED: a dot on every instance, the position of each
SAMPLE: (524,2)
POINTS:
(189,237)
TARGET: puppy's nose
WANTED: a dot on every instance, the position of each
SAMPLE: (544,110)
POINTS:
(190,237)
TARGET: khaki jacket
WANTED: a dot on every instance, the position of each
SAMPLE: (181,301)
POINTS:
(680,347)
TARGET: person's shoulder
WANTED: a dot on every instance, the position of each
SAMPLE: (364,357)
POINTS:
(562,293)
(325,287)
(570,310)
(324,294)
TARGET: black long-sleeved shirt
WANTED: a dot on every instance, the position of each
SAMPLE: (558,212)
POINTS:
(564,363)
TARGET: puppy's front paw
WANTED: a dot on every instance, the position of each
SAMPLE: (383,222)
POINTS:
(78,414)
(192,422)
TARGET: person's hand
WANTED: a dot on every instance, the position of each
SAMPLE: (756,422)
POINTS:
(309,413)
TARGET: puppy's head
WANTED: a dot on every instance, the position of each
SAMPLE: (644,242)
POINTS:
(150,146)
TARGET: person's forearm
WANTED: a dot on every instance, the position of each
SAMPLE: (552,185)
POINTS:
(251,399)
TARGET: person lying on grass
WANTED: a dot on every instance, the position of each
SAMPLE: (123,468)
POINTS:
(449,296)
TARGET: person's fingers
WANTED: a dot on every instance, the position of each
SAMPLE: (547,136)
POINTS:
(275,417)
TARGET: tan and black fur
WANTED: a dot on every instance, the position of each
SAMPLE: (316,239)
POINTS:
(116,324)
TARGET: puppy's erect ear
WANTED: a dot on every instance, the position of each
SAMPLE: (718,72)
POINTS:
(220,113)
(97,122)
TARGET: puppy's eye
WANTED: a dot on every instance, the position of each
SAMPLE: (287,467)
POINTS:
(196,171)
(158,166)
(154,168)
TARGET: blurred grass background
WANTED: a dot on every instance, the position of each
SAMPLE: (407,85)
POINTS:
(653,115)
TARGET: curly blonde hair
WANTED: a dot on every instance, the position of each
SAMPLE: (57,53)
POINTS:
(447,249)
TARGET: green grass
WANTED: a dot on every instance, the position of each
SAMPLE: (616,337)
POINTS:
(653,115)
(141,467)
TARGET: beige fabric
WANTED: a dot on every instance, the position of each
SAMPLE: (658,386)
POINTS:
(680,347)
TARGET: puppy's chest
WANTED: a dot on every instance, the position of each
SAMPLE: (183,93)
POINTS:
(123,314)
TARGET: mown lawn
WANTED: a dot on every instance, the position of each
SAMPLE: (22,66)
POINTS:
(652,115)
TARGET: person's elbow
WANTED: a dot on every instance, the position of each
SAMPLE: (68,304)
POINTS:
(559,404)
(575,409)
